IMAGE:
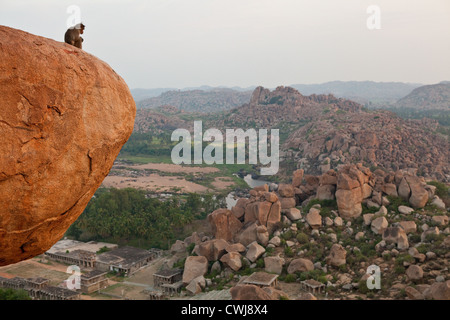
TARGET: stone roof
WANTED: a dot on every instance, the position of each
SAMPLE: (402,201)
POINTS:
(92,274)
(124,257)
(167,273)
(261,279)
(313,283)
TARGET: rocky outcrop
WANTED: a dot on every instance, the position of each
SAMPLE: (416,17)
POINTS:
(195,266)
(224,224)
(300,265)
(64,116)
(337,255)
(248,292)
(351,181)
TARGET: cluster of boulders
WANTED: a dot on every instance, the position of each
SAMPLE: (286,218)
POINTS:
(241,237)
(379,139)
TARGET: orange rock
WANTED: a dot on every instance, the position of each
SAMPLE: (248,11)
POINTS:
(64,116)
(224,224)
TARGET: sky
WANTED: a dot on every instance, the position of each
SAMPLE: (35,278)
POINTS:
(188,43)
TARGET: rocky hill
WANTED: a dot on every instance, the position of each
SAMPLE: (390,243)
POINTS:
(432,97)
(323,236)
(199,100)
(163,119)
(319,132)
(378,139)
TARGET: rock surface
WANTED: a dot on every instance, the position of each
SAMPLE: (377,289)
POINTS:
(248,292)
(64,116)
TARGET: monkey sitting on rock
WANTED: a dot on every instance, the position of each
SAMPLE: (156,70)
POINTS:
(72,35)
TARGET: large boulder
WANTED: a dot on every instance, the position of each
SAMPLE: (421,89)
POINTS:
(314,218)
(264,212)
(349,202)
(326,192)
(419,195)
(194,266)
(248,234)
(233,260)
(396,235)
(440,290)
(300,265)
(274,264)
(248,292)
(64,116)
(254,251)
(239,209)
(298,178)
(379,224)
(286,190)
(224,224)
(337,255)
(414,272)
(212,249)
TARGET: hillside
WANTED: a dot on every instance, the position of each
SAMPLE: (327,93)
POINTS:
(198,100)
(432,97)
(319,132)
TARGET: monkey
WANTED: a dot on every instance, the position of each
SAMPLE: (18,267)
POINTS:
(72,35)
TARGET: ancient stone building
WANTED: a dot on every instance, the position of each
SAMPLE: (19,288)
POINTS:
(93,281)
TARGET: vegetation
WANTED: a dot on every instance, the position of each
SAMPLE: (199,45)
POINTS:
(12,294)
(126,216)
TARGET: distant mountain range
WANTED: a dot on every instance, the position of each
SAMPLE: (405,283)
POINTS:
(210,99)
(373,95)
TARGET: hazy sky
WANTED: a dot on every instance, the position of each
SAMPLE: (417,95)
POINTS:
(182,43)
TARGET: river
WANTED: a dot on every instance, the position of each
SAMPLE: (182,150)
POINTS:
(230,199)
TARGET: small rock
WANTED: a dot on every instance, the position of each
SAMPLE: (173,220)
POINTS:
(338,222)
(254,251)
(438,203)
(405,209)
(359,235)
(383,211)
(430,255)
(413,294)
(333,237)
(379,225)
(348,286)
(328,221)
(368,218)
(440,220)
(414,272)
(314,218)
(276,241)
(293,214)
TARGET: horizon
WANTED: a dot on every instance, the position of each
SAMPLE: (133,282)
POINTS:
(181,44)
(252,87)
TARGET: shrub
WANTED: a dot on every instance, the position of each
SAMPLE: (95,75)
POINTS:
(260,263)
(287,235)
(362,287)
(288,252)
(290,278)
(302,238)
